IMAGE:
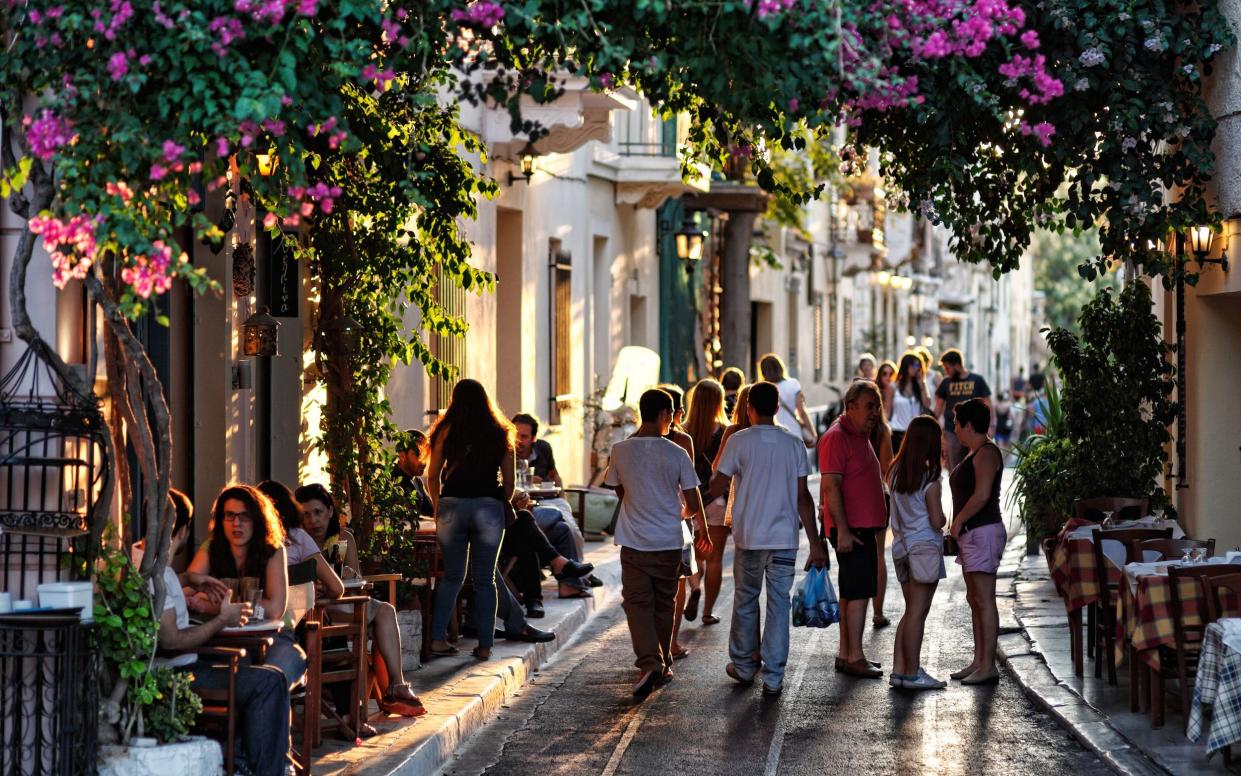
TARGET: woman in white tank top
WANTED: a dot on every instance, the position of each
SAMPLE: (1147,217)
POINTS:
(917,545)
(905,397)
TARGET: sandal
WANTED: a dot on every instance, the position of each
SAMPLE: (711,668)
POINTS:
(710,619)
(450,651)
(346,734)
(879,621)
(578,594)
(481,653)
(400,699)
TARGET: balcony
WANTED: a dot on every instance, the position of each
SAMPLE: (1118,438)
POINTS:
(642,159)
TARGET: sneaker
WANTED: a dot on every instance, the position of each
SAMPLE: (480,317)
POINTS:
(897,680)
(769,690)
(923,681)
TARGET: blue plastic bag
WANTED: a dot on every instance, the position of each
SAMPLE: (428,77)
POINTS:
(814,601)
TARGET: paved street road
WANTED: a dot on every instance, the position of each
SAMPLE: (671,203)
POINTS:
(577,718)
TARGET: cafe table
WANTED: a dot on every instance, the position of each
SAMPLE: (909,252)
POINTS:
(1073,571)
(1216,704)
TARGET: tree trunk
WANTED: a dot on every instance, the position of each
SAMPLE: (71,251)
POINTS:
(735,299)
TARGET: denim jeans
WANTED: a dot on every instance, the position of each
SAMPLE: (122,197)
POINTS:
(287,656)
(564,535)
(469,530)
(750,568)
(263,701)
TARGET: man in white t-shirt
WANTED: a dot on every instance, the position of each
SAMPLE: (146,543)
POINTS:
(651,475)
(767,469)
(262,690)
(791,402)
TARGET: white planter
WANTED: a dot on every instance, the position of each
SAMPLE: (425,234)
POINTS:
(196,756)
(410,623)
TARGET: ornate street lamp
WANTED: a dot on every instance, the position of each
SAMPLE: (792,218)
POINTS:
(267,163)
(259,334)
(689,241)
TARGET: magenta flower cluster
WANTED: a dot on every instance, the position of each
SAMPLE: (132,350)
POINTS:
(1046,88)
(121,10)
(274,11)
(47,133)
(148,274)
(768,7)
(484,13)
(226,30)
(1041,131)
(334,137)
(380,78)
(70,244)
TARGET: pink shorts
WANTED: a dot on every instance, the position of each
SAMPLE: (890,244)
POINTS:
(982,548)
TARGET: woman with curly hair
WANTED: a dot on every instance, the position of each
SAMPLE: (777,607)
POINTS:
(247,540)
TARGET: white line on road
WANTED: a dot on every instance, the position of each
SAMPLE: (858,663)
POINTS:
(777,738)
(626,739)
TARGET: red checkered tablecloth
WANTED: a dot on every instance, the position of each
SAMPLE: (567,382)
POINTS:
(1146,613)
(1073,568)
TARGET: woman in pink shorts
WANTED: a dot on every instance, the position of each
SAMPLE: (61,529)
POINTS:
(978,525)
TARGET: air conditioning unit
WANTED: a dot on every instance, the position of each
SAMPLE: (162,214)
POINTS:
(792,284)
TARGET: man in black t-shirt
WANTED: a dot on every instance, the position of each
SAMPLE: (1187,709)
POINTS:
(411,462)
(957,386)
(537,452)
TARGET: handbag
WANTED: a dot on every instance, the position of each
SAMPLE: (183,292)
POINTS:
(951,546)
(808,437)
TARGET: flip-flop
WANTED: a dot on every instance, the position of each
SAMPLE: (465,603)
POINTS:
(579,594)
(681,654)
(710,619)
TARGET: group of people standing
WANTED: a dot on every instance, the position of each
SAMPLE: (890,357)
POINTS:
(881,461)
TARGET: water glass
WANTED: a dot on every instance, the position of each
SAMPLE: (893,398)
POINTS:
(1199,554)
(1185,556)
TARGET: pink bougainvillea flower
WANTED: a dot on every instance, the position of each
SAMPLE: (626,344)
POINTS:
(118,65)
(70,245)
(484,13)
(173,151)
(148,274)
(47,133)
(221,147)
(120,189)
(158,172)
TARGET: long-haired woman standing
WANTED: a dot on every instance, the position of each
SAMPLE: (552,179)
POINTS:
(469,479)
(881,441)
(705,425)
(917,545)
(906,397)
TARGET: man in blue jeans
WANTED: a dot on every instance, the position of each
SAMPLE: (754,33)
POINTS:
(767,467)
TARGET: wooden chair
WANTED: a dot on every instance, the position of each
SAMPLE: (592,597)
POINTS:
(336,652)
(220,706)
(576,496)
(427,555)
(1104,621)
(1095,509)
(1181,661)
(1170,549)
(1217,607)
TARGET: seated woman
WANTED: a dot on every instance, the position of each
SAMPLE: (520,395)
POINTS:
(299,546)
(322,522)
(247,541)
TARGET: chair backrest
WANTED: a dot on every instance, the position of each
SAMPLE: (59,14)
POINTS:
(301,598)
(1116,544)
(1095,509)
(1150,550)
(1216,606)
(1188,632)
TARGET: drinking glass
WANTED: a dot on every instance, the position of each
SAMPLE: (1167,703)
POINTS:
(1199,554)
(1185,556)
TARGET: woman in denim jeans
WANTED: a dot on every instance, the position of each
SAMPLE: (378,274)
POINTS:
(469,479)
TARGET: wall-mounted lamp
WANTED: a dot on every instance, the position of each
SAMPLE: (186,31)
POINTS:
(527,156)
(883,277)
(928,341)
(259,334)
(902,282)
(689,242)
(1201,240)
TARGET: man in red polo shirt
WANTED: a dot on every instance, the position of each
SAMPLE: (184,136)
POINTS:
(851,494)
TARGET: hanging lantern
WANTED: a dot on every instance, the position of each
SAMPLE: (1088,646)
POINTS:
(259,334)
(345,335)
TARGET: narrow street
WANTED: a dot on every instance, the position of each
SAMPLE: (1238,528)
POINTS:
(576,716)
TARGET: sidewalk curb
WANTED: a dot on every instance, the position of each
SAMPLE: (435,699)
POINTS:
(426,747)
(1018,652)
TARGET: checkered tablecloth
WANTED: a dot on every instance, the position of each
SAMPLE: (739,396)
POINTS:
(1073,568)
(1217,689)
(1146,613)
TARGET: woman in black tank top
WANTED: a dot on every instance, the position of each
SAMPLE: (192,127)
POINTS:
(469,478)
(978,525)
